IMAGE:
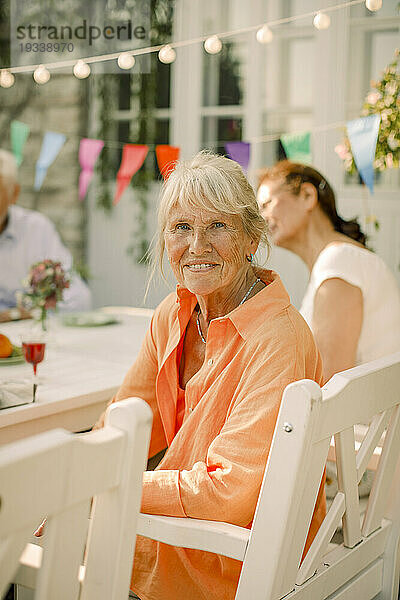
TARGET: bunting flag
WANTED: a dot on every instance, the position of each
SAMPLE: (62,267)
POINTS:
(19,134)
(239,152)
(89,151)
(297,146)
(166,158)
(51,146)
(363,135)
(133,156)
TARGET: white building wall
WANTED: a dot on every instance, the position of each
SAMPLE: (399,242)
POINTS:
(116,278)
(279,89)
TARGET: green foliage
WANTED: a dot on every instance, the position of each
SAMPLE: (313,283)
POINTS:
(105,85)
(383,99)
(144,99)
(83,270)
(140,244)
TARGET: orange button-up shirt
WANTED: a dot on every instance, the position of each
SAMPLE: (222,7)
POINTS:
(214,464)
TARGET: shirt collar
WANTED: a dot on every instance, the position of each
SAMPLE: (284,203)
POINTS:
(250,315)
(10,232)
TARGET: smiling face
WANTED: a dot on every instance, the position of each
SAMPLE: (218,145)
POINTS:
(207,251)
(286,213)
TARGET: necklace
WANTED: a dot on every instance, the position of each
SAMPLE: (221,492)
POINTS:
(253,285)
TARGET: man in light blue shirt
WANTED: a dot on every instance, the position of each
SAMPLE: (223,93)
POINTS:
(26,237)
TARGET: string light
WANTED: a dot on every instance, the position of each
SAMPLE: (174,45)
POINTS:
(81,70)
(41,75)
(264,35)
(373,5)
(213,45)
(6,78)
(167,54)
(126,60)
(321,21)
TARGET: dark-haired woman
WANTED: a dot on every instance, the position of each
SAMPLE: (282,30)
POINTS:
(352,302)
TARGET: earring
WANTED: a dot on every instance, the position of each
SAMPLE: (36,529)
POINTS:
(322,185)
(250,257)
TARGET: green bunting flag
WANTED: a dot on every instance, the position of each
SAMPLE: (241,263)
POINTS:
(19,135)
(297,146)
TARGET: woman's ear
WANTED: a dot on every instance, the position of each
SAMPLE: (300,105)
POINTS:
(309,195)
(254,245)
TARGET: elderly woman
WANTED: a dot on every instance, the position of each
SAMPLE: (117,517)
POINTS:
(213,366)
(352,302)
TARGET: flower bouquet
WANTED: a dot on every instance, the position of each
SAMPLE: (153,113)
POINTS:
(45,285)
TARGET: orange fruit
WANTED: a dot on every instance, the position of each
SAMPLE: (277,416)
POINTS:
(5,346)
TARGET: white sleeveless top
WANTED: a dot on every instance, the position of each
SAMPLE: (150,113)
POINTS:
(380,332)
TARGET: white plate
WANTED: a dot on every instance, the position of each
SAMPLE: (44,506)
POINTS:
(88,319)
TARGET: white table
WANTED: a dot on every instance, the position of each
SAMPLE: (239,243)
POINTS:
(82,370)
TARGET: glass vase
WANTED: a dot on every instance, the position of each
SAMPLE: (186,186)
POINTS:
(40,321)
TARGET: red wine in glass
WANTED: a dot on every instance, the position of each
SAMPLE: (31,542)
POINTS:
(34,354)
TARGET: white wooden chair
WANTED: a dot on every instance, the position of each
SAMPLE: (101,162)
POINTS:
(366,565)
(56,474)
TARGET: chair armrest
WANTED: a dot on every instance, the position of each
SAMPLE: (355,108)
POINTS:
(210,536)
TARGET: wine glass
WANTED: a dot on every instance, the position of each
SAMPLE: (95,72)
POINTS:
(34,354)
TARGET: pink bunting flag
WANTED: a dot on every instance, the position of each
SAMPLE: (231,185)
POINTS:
(89,151)
(133,156)
(166,158)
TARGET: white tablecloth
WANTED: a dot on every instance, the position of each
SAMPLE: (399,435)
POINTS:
(82,369)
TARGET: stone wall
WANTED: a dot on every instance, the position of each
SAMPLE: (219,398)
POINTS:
(61,106)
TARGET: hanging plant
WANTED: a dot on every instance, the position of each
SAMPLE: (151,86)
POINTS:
(144,90)
(139,245)
(105,86)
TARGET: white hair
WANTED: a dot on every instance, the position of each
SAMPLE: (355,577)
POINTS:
(8,165)
(211,182)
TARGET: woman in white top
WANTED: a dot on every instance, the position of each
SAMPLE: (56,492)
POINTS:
(352,302)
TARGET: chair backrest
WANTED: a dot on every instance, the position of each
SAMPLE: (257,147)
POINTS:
(55,475)
(307,420)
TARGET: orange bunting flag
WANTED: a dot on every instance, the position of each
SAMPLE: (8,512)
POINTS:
(133,156)
(166,157)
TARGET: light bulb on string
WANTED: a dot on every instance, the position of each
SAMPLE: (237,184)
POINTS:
(373,5)
(264,35)
(213,45)
(41,75)
(321,21)
(81,69)
(126,60)
(167,54)
(6,78)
